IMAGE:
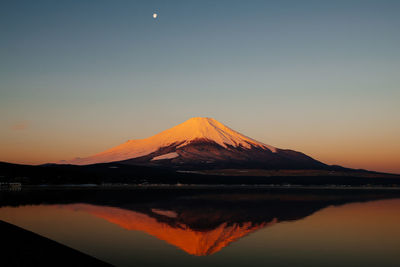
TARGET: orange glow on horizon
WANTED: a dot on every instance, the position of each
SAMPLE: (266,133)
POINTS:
(347,149)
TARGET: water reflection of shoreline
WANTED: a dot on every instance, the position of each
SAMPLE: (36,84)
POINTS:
(199,224)
(203,225)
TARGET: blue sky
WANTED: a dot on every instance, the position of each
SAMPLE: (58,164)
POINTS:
(322,77)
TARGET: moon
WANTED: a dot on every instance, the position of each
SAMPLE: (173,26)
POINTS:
(155,15)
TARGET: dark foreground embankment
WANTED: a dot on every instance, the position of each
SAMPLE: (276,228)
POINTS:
(23,248)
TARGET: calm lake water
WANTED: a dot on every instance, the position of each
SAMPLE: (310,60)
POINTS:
(214,227)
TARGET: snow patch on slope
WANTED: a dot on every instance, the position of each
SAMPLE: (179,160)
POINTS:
(166,156)
(168,213)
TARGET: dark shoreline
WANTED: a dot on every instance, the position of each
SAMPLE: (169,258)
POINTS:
(110,173)
(127,195)
(211,186)
(24,248)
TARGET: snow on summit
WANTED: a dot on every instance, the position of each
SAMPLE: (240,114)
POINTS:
(197,128)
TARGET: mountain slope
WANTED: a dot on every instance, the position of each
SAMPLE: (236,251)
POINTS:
(181,135)
(201,143)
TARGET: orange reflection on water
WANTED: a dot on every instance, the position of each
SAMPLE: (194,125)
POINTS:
(194,242)
(329,234)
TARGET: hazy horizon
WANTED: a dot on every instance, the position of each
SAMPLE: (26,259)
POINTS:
(320,77)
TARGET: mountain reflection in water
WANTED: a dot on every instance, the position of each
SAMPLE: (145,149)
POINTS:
(199,242)
(199,223)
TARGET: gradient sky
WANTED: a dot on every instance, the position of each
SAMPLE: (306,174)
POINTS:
(321,77)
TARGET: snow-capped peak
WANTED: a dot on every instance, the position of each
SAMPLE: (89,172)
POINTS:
(182,135)
(211,129)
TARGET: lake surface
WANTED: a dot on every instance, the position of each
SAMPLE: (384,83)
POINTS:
(214,227)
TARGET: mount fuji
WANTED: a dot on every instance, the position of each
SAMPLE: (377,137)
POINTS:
(198,151)
(202,143)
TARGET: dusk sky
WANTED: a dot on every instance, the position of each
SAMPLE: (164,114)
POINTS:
(320,77)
